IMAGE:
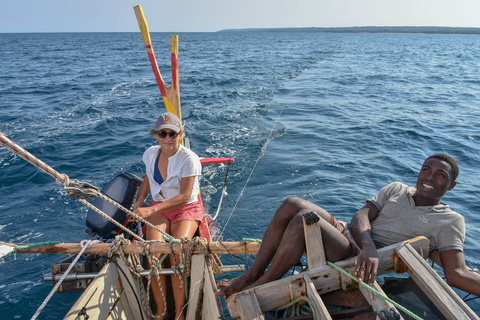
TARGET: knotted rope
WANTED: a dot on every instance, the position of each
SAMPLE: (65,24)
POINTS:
(135,267)
(292,309)
(78,190)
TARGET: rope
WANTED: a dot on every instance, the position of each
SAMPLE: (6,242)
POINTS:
(85,245)
(224,193)
(411,314)
(295,311)
(253,169)
(155,264)
(76,189)
(136,267)
(166,236)
(10,145)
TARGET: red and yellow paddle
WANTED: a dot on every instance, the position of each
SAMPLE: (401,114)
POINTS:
(170,95)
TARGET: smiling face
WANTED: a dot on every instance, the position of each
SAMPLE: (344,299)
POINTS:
(168,143)
(434,180)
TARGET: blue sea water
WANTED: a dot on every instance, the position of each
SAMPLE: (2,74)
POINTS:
(331,118)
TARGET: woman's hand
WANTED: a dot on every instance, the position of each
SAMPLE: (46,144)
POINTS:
(138,204)
(144,213)
(367,265)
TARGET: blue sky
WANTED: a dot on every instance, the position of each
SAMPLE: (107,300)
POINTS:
(214,15)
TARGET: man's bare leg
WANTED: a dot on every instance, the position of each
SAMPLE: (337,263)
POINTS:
(292,247)
(273,236)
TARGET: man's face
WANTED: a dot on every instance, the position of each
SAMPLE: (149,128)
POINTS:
(434,180)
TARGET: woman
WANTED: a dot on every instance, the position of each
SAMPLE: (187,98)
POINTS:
(172,173)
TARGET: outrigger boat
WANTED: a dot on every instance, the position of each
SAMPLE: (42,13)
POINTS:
(115,282)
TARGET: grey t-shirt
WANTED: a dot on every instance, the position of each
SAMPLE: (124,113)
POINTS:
(399,220)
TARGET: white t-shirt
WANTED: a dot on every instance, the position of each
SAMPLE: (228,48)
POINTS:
(184,163)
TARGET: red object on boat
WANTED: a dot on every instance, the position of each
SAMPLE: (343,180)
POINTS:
(204,161)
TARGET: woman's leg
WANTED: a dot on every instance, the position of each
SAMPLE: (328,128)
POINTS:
(180,229)
(152,234)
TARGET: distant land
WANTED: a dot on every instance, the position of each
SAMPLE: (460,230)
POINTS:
(441,30)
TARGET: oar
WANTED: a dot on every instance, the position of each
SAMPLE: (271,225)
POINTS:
(170,95)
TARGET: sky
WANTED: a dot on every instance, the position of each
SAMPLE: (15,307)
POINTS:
(214,15)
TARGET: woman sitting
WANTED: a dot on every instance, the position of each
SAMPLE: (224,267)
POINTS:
(172,173)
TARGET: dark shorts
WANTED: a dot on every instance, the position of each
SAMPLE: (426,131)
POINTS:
(344,229)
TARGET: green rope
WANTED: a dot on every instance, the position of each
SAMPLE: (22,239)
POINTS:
(170,238)
(251,240)
(38,244)
(411,314)
(159,262)
(296,311)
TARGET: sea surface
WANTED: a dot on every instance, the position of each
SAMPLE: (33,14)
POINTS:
(331,118)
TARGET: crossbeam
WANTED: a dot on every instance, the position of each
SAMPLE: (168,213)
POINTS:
(136,248)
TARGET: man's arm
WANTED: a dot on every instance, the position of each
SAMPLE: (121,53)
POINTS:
(367,260)
(458,274)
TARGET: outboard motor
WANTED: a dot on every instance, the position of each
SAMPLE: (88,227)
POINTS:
(124,189)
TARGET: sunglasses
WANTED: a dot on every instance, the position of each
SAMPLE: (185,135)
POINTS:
(163,134)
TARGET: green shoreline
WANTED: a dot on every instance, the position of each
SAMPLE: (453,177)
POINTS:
(433,30)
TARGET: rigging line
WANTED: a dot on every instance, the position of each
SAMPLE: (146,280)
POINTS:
(264,148)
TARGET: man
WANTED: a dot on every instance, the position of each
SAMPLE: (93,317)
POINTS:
(397,213)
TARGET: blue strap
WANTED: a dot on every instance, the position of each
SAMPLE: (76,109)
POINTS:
(156,173)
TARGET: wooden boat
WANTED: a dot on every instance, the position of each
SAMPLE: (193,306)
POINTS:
(115,287)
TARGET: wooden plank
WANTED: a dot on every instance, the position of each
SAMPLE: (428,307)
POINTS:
(314,242)
(377,302)
(297,289)
(212,306)
(436,289)
(320,309)
(131,292)
(326,279)
(136,247)
(196,287)
(100,298)
(248,306)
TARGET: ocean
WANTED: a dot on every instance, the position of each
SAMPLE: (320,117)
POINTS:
(331,118)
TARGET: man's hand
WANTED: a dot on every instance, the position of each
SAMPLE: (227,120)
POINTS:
(367,265)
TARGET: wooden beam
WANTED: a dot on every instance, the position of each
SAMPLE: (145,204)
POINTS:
(377,302)
(136,247)
(436,289)
(313,241)
(112,292)
(248,306)
(197,282)
(212,306)
(326,279)
(320,309)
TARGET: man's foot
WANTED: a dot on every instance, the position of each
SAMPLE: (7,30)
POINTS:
(227,287)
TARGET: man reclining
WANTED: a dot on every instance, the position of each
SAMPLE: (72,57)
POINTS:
(397,213)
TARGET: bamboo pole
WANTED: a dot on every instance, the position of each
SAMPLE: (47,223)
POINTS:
(135,247)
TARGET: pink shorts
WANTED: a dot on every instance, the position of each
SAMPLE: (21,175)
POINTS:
(191,211)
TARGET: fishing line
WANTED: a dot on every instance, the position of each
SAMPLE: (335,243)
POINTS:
(262,151)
